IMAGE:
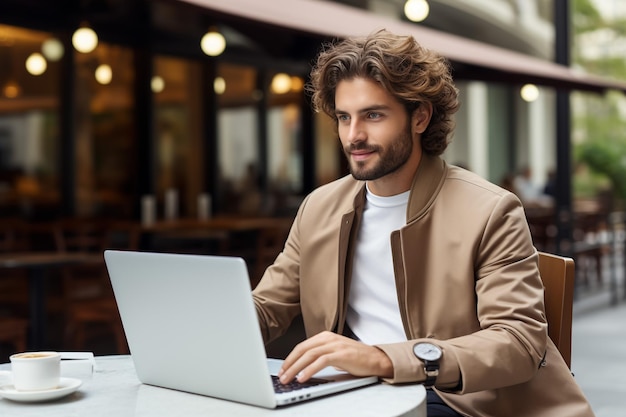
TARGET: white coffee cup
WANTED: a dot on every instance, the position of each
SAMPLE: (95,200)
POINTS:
(35,371)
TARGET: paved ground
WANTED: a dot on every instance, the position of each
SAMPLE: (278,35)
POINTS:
(599,354)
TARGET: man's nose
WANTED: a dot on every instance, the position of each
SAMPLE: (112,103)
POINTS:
(356,132)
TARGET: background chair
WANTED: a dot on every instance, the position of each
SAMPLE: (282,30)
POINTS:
(14,281)
(13,291)
(88,301)
(270,243)
(558,276)
(13,332)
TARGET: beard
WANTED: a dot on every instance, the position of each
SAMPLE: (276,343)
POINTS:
(390,159)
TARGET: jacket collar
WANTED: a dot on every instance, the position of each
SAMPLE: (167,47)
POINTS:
(427,182)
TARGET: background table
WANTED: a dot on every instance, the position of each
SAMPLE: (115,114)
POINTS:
(114,390)
(37,264)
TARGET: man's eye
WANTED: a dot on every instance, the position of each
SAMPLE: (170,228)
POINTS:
(374,115)
(342,117)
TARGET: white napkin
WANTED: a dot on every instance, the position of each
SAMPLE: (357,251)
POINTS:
(79,365)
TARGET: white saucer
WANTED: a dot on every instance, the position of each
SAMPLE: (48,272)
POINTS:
(66,387)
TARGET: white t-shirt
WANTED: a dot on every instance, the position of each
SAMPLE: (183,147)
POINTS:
(373,310)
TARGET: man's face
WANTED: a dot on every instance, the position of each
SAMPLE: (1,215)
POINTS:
(374,129)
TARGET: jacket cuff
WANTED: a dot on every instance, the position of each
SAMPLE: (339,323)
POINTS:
(408,368)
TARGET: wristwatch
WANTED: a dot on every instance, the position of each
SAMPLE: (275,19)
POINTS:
(430,355)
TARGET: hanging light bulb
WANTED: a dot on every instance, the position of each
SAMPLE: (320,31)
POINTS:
(529,92)
(52,49)
(85,39)
(416,10)
(281,83)
(297,84)
(11,89)
(104,74)
(36,64)
(219,85)
(213,43)
(157,84)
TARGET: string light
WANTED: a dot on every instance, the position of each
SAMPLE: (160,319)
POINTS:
(85,39)
(416,10)
(157,84)
(213,43)
(104,74)
(529,92)
(219,85)
(281,83)
(36,64)
(52,49)
(11,89)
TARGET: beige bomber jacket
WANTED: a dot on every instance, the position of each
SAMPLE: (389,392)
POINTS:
(467,280)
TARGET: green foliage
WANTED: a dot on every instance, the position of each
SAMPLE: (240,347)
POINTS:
(607,158)
(611,67)
(586,20)
(619,26)
(586,17)
(588,184)
(599,124)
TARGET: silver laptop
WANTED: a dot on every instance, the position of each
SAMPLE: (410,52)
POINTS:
(191,325)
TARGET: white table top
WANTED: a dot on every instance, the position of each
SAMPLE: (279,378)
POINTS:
(114,390)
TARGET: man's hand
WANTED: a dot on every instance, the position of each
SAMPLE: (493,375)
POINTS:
(330,349)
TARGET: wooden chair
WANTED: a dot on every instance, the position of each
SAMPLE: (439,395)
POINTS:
(88,300)
(13,310)
(270,243)
(13,288)
(13,331)
(13,282)
(558,276)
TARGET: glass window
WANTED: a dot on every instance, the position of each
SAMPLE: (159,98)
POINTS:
(104,126)
(284,155)
(330,163)
(284,147)
(238,142)
(29,101)
(178,133)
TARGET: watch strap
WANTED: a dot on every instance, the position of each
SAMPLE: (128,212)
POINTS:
(432,371)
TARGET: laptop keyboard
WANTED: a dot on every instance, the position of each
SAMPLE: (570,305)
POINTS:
(295,385)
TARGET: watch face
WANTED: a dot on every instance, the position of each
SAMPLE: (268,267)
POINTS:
(427,351)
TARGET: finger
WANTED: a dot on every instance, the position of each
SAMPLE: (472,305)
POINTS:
(309,364)
(298,367)
(307,358)
(302,348)
(348,355)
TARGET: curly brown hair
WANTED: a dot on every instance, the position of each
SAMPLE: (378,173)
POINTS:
(400,65)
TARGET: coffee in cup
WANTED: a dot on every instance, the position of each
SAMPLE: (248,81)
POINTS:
(35,371)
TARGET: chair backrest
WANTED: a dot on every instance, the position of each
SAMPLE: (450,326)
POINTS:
(557,274)
(80,235)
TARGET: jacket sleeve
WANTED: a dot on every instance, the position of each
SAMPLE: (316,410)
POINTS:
(510,342)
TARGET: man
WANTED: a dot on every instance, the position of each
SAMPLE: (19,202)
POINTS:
(412,269)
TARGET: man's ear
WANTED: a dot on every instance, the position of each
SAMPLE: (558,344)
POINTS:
(421,117)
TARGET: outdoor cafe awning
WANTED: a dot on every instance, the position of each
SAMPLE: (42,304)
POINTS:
(471,59)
